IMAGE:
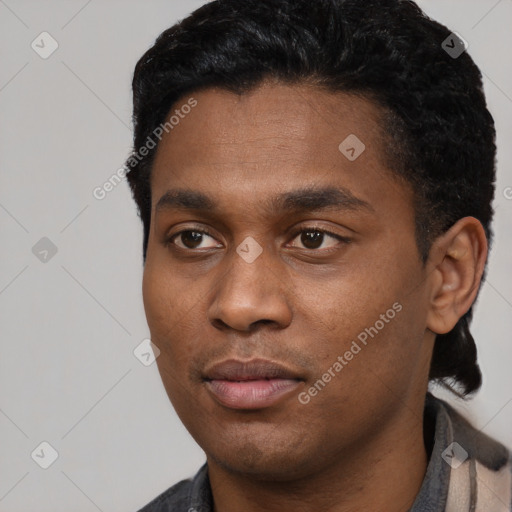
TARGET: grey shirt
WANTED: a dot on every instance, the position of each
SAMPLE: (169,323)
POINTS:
(467,472)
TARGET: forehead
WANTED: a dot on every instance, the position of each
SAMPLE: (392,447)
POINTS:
(272,139)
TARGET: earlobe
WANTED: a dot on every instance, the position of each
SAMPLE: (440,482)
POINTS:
(458,257)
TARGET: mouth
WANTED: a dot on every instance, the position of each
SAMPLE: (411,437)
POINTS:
(253,384)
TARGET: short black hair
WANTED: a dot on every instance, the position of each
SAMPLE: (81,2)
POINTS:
(440,134)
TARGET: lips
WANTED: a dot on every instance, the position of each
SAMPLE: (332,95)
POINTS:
(254,384)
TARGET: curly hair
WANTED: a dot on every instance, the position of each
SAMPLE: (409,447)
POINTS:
(441,136)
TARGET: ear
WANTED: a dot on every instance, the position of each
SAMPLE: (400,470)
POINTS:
(456,264)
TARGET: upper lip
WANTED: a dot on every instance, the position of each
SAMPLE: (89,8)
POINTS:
(255,369)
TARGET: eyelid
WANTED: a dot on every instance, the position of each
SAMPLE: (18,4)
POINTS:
(314,227)
(322,230)
(169,239)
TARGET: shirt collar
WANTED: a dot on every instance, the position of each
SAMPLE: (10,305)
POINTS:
(434,490)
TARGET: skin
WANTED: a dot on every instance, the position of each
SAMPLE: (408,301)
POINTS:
(357,444)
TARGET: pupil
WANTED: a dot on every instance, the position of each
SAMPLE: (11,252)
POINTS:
(191,239)
(312,239)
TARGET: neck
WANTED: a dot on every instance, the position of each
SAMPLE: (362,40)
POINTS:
(384,473)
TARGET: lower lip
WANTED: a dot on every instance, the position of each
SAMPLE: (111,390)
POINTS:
(251,394)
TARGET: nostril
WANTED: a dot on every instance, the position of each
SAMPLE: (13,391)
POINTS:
(264,322)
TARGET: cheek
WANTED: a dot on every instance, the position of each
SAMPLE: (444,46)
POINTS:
(174,312)
(372,314)
(166,297)
(365,360)
(348,301)
(165,310)
(157,300)
(166,320)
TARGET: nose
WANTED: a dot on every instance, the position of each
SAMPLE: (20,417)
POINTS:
(250,294)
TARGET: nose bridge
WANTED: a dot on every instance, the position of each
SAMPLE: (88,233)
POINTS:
(247,276)
(248,269)
(249,290)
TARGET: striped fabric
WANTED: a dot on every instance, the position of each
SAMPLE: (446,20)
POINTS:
(468,471)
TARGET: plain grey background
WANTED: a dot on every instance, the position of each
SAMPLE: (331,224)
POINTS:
(71,319)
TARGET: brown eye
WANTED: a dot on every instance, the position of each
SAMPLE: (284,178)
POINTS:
(312,239)
(315,239)
(193,239)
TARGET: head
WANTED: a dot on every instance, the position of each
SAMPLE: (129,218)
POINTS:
(247,112)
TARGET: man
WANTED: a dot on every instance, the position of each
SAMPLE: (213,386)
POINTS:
(315,183)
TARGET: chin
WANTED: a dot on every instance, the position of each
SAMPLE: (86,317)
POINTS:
(262,457)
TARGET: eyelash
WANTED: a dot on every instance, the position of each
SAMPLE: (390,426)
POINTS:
(170,240)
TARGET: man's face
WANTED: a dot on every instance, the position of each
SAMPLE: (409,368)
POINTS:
(252,317)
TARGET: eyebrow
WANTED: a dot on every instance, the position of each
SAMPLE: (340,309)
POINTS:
(300,200)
